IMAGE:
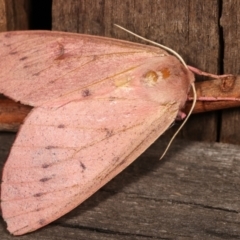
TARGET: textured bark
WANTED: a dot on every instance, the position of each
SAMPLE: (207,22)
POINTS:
(230,22)
(17,13)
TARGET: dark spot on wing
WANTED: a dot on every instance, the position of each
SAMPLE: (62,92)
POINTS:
(38,194)
(6,44)
(36,74)
(45,179)
(50,147)
(42,221)
(23,58)
(61,126)
(13,53)
(109,132)
(82,166)
(111,99)
(86,93)
(7,35)
(46,165)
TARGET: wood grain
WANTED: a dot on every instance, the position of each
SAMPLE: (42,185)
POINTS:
(16,14)
(230,22)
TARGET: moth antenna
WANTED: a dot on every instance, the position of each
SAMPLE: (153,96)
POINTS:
(185,120)
(156,44)
(183,62)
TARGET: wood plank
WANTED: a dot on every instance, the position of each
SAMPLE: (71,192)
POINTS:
(17,14)
(181,24)
(230,22)
(3,16)
(192,194)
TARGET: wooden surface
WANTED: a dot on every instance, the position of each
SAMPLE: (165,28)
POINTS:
(192,194)
(230,22)
(14,14)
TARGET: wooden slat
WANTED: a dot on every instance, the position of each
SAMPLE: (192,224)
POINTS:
(3,16)
(16,14)
(230,22)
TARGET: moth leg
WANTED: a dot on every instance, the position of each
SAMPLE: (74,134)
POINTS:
(180,116)
(199,72)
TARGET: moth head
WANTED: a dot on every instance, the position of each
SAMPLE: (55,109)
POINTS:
(164,79)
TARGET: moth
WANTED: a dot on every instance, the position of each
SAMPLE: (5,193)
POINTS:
(98,103)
